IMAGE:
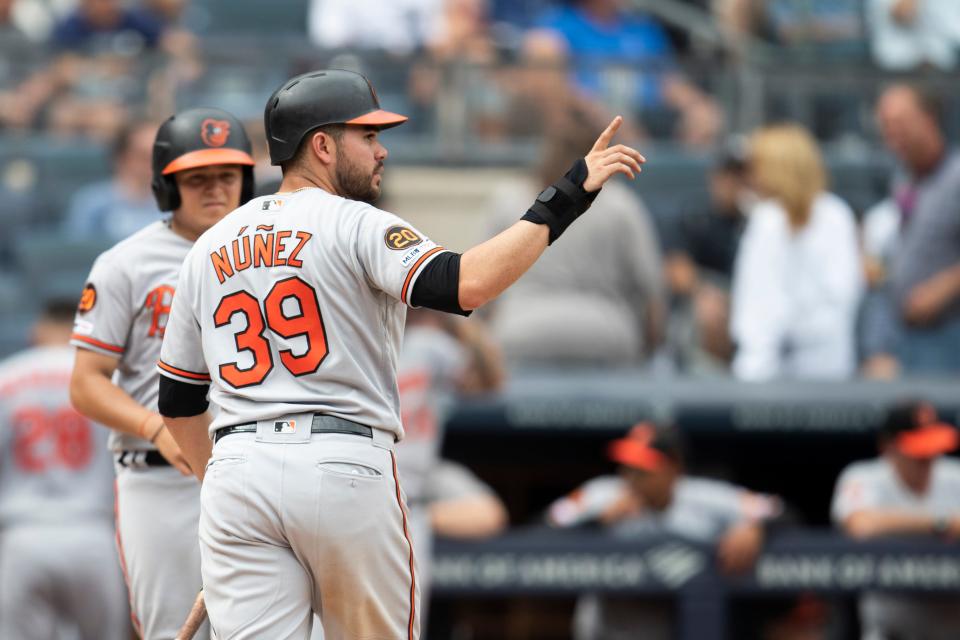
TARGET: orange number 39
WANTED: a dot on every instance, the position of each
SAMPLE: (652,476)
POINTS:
(306,322)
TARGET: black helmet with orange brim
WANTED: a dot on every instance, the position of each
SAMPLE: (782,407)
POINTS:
(318,98)
(199,138)
(913,429)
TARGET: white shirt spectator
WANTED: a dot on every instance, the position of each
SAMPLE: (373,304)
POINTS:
(795,293)
(931,37)
(397,26)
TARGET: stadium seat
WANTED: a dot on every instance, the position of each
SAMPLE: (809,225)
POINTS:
(53,265)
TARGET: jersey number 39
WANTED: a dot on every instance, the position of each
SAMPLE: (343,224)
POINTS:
(305,321)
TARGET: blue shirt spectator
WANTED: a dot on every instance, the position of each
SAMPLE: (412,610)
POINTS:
(598,33)
(96,23)
(116,208)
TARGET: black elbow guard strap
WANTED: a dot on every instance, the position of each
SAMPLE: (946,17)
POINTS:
(181,400)
(564,201)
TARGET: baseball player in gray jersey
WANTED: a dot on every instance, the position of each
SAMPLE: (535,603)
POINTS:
(291,311)
(202,170)
(911,489)
(652,495)
(58,568)
(442,357)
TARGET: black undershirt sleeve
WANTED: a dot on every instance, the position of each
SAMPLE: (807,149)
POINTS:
(182,400)
(438,286)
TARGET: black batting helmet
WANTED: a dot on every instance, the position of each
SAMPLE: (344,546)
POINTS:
(198,138)
(317,98)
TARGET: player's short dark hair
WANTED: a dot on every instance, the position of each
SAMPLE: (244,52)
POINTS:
(335,131)
(59,310)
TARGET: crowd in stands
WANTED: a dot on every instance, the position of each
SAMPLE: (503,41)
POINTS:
(770,275)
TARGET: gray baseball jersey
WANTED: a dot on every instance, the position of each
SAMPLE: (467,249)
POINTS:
(283,290)
(58,564)
(54,466)
(701,509)
(124,308)
(431,364)
(873,484)
(123,313)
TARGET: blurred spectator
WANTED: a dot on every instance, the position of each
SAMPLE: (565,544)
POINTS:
(700,252)
(100,70)
(32,19)
(906,35)
(10,24)
(925,270)
(595,297)
(738,20)
(399,27)
(114,209)
(627,60)
(819,22)
(58,567)
(458,80)
(879,321)
(798,279)
(106,25)
(183,49)
(653,496)
(465,33)
(910,489)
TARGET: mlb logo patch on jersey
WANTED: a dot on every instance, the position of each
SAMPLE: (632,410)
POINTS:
(410,256)
(285,426)
(272,205)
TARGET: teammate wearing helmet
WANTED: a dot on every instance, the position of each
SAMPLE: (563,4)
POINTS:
(292,309)
(202,169)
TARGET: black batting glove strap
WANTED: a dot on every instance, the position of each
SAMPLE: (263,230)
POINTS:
(561,203)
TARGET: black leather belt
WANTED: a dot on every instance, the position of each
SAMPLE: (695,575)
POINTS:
(129,459)
(321,424)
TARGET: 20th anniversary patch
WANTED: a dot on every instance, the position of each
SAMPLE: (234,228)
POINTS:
(399,238)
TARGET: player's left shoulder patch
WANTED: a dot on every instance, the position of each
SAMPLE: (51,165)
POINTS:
(399,238)
(88,298)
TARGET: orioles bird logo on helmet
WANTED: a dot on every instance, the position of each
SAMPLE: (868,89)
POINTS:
(214,133)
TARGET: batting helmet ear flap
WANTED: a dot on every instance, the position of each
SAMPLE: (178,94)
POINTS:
(165,192)
(247,191)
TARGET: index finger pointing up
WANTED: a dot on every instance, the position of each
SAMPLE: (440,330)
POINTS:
(607,134)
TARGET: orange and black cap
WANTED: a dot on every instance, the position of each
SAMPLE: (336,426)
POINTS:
(914,429)
(318,98)
(198,138)
(647,448)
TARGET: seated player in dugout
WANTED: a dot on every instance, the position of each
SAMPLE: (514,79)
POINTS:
(911,488)
(291,312)
(653,495)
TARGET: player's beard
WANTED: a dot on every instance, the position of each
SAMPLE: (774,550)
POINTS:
(354,182)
